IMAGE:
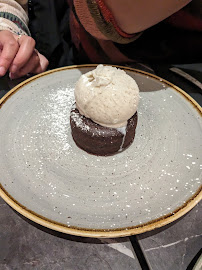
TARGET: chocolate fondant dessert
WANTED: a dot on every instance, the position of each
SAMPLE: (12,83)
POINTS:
(99,140)
(104,117)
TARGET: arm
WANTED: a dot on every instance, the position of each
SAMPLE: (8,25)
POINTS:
(13,17)
(134,16)
(17,53)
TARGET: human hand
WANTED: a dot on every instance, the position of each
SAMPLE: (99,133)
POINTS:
(19,56)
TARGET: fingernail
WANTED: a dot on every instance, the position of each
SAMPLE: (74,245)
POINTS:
(12,76)
(2,71)
(14,68)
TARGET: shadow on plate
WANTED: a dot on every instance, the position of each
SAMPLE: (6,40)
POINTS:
(146,82)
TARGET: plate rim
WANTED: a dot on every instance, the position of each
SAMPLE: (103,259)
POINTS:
(101,233)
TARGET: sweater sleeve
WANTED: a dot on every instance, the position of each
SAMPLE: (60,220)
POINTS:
(13,16)
(99,22)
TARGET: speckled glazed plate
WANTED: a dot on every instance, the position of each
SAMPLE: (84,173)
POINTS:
(48,179)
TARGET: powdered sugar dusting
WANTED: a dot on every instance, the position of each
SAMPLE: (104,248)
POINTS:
(78,120)
(58,113)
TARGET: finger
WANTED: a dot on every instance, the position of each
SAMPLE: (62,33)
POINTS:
(40,67)
(43,64)
(24,53)
(32,64)
(9,48)
(31,67)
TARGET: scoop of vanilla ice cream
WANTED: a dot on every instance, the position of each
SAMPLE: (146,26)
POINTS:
(107,95)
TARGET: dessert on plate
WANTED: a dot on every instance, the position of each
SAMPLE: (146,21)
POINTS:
(104,118)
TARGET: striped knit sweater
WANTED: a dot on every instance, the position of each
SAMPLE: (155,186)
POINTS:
(93,27)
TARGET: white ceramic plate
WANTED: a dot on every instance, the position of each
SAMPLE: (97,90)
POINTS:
(48,179)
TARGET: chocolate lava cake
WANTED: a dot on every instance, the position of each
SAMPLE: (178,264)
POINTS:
(99,140)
